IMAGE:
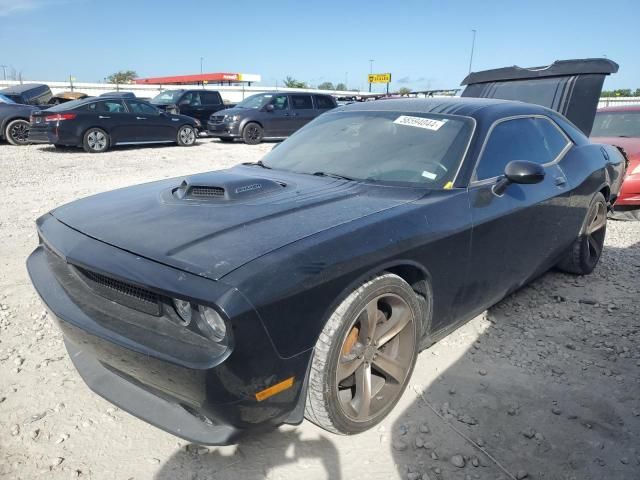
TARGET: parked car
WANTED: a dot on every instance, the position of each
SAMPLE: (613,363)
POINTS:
(29,94)
(620,126)
(118,94)
(197,103)
(274,115)
(64,97)
(14,121)
(97,124)
(307,283)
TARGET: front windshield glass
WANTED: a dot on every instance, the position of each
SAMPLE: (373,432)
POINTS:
(5,99)
(255,101)
(378,146)
(616,124)
(168,97)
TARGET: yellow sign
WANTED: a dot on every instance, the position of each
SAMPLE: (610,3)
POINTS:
(380,78)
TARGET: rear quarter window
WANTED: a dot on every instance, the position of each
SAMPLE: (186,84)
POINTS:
(323,102)
(301,102)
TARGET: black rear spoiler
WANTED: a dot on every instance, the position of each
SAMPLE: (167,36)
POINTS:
(570,87)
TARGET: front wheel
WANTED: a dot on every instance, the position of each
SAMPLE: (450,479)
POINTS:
(17,132)
(95,140)
(364,357)
(586,250)
(252,134)
(186,136)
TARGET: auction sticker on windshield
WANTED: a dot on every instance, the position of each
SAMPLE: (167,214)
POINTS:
(420,122)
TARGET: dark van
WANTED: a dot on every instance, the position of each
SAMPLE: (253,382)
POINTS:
(199,104)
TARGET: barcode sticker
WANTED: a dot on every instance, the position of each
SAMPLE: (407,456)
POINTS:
(420,122)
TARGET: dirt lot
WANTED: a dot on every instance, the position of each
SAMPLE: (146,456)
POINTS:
(544,385)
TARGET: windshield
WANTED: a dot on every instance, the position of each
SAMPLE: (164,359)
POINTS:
(616,124)
(378,146)
(168,97)
(255,101)
(5,99)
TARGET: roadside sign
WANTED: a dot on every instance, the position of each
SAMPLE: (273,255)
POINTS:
(380,78)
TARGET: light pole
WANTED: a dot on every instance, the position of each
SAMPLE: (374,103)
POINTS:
(473,44)
(201,59)
(370,71)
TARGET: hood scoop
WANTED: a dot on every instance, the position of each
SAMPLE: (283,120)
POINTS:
(224,186)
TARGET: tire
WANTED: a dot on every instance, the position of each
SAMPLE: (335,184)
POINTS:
(17,132)
(186,136)
(226,139)
(252,133)
(338,404)
(628,215)
(584,254)
(96,140)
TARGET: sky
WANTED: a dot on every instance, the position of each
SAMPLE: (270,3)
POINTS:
(423,44)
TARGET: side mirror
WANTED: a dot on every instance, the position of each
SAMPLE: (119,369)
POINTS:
(519,171)
(269,108)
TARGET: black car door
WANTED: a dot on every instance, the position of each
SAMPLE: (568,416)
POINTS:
(110,115)
(302,111)
(279,121)
(190,105)
(517,234)
(211,103)
(149,124)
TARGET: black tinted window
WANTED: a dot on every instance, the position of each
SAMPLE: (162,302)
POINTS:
(280,102)
(301,102)
(141,107)
(323,101)
(209,98)
(533,139)
(107,106)
(192,99)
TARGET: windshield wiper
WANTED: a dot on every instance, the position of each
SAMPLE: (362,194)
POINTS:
(333,175)
(258,163)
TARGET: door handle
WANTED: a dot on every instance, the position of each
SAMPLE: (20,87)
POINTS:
(103,116)
(560,181)
(141,118)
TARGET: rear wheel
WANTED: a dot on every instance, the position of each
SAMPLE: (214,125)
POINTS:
(252,134)
(95,140)
(187,136)
(586,250)
(364,357)
(17,132)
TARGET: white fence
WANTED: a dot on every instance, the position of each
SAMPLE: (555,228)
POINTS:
(617,101)
(230,94)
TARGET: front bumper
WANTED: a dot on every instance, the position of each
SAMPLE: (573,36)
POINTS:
(223,129)
(629,192)
(140,362)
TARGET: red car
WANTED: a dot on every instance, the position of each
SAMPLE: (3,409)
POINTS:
(620,126)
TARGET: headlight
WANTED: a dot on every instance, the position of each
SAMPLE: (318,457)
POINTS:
(212,324)
(184,310)
(231,118)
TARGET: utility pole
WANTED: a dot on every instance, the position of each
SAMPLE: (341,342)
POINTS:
(201,59)
(473,44)
(4,71)
(370,71)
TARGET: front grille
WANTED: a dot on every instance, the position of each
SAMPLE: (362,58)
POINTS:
(216,118)
(121,292)
(206,192)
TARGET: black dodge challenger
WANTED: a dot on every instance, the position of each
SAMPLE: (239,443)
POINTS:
(304,285)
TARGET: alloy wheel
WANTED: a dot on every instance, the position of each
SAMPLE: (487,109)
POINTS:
(19,131)
(97,140)
(376,357)
(596,230)
(187,135)
(253,133)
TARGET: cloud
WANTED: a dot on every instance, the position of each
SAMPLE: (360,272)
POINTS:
(10,7)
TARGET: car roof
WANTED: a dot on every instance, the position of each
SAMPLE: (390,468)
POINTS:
(18,89)
(468,107)
(621,108)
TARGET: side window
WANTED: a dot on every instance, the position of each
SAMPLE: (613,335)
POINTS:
(280,102)
(534,139)
(112,106)
(192,99)
(209,98)
(324,102)
(141,107)
(301,102)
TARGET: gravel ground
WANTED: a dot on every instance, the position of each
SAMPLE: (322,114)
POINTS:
(544,385)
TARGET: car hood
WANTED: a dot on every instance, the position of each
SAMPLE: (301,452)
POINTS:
(631,146)
(235,111)
(212,223)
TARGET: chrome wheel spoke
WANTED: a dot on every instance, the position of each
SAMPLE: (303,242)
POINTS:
(599,220)
(368,321)
(348,367)
(389,367)
(362,400)
(400,318)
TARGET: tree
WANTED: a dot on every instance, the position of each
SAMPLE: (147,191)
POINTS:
(404,91)
(341,86)
(123,76)
(637,92)
(293,83)
(326,86)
